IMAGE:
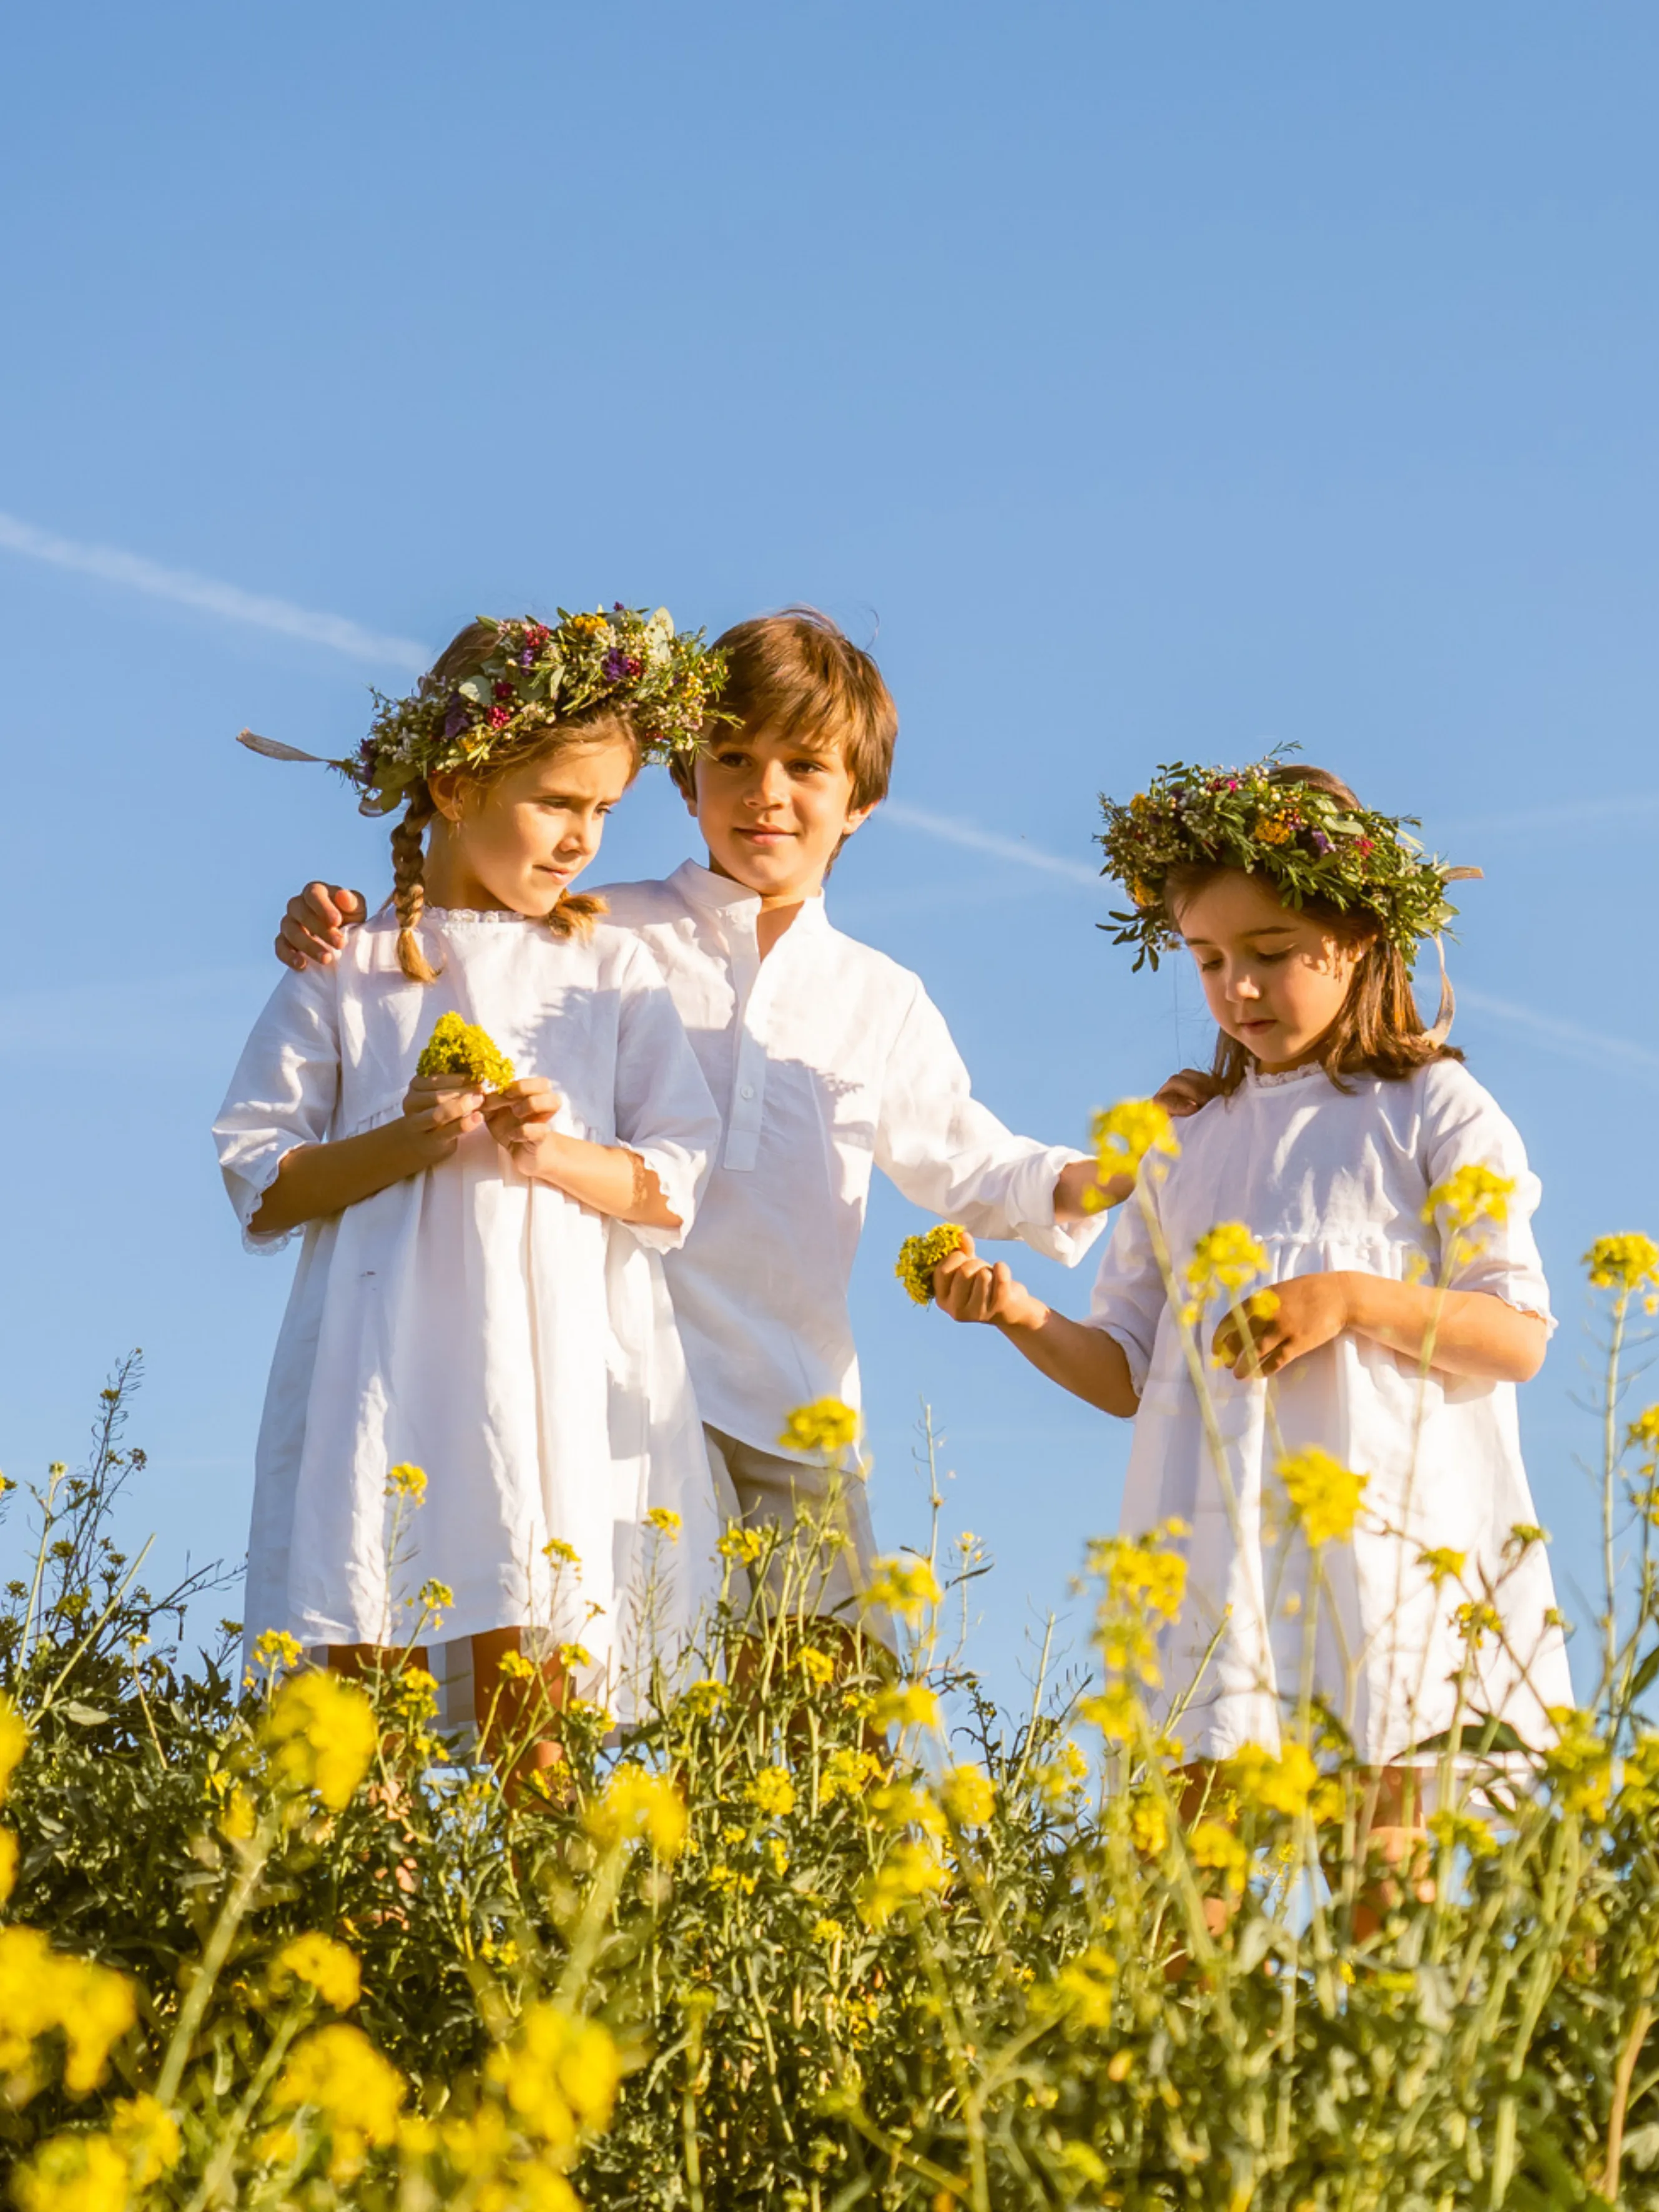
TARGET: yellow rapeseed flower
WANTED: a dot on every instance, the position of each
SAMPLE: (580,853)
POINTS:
(919,1256)
(817,1666)
(8,1864)
(913,1704)
(910,1870)
(558,2077)
(1149,1824)
(905,1586)
(704,1697)
(1123,1136)
(1325,1496)
(1471,1193)
(320,1735)
(638,1803)
(276,1651)
(665,1521)
(329,1967)
(903,1805)
(1442,1563)
(14,1743)
(147,2135)
(74,2173)
(1624,1262)
(1083,1988)
(741,1545)
(968,1795)
(336,2072)
(43,1991)
(848,1773)
(1579,1763)
(1217,1849)
(772,1792)
(405,1480)
(825,1425)
(1225,1258)
(1456,1829)
(1279,1782)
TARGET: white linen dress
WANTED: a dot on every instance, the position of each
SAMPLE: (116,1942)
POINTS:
(517,1345)
(1326,1180)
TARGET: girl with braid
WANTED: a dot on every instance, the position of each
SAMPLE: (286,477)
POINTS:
(480,1292)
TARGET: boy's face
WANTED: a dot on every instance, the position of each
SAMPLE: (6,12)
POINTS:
(773,810)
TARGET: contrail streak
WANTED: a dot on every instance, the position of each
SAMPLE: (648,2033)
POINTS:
(952,832)
(206,593)
(1566,1036)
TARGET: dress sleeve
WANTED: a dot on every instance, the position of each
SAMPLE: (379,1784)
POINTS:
(1463,1126)
(664,1109)
(283,1094)
(949,1154)
(1129,1296)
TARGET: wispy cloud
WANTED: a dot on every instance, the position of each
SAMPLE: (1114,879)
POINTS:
(1568,1038)
(1568,814)
(229,602)
(950,832)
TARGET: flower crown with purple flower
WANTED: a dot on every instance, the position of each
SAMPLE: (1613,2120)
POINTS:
(1309,842)
(533,675)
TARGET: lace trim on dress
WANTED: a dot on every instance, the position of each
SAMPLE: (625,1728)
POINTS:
(496,915)
(1261,1080)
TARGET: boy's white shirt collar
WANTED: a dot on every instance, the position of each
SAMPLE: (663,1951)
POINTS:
(714,894)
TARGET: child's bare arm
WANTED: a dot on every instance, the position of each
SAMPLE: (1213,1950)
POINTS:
(610,1178)
(1469,1332)
(313,928)
(316,1180)
(1087,1362)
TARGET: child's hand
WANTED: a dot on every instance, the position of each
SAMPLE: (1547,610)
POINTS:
(521,1118)
(1306,1311)
(969,1288)
(1185,1092)
(439,1110)
(315,924)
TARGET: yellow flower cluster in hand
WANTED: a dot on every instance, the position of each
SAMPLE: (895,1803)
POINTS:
(638,1803)
(336,2073)
(1472,1194)
(329,1967)
(558,2077)
(825,1425)
(910,1870)
(919,1256)
(1325,1496)
(458,1048)
(1623,1263)
(320,1735)
(43,1991)
(905,1586)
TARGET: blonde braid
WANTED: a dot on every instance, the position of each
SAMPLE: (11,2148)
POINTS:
(408,890)
(576,913)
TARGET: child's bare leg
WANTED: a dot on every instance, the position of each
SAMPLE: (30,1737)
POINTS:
(517,1711)
(1394,1846)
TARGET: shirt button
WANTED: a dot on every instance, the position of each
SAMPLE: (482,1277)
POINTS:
(747,1091)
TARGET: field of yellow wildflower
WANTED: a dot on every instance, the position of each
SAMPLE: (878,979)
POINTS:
(820,1930)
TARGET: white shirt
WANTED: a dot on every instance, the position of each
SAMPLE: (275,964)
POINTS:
(517,1345)
(826,1059)
(1326,1180)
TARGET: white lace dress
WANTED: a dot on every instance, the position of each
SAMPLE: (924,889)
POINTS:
(1333,1181)
(518,1346)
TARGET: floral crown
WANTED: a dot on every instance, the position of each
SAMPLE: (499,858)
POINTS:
(531,676)
(1310,843)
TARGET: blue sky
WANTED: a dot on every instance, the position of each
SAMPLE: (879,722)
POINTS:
(1146,383)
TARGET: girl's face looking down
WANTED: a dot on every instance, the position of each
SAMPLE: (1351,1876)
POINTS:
(1273,978)
(518,843)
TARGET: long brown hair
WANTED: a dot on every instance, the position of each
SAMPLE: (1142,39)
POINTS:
(576,912)
(1379,1030)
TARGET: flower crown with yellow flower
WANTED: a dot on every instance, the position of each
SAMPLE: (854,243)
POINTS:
(1306,841)
(531,676)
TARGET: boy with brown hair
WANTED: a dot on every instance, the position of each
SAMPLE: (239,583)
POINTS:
(824,1056)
